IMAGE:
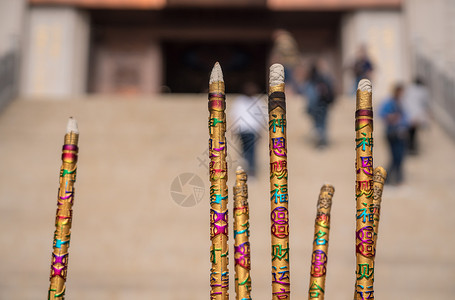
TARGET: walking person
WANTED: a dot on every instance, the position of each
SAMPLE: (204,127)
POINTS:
(318,89)
(247,112)
(396,125)
(362,67)
(286,52)
(416,104)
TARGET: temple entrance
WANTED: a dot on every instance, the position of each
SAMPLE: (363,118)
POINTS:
(188,64)
(148,52)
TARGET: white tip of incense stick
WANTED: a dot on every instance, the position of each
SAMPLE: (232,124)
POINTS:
(217,73)
(364,85)
(276,74)
(72,126)
(240,169)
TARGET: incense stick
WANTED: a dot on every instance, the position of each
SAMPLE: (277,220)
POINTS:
(321,243)
(241,236)
(379,178)
(59,266)
(278,185)
(219,273)
(365,233)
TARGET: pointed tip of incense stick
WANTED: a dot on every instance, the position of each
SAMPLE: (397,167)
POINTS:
(276,74)
(364,85)
(72,126)
(217,73)
(240,169)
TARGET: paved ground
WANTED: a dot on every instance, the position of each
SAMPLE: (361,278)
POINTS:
(130,240)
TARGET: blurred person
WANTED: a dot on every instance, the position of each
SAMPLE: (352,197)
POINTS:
(286,52)
(318,90)
(416,104)
(247,123)
(391,111)
(363,67)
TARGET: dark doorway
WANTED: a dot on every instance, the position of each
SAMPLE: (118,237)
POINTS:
(173,50)
(188,64)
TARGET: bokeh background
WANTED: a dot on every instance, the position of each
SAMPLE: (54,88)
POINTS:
(134,74)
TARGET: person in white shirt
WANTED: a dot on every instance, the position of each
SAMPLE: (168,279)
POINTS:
(249,118)
(416,104)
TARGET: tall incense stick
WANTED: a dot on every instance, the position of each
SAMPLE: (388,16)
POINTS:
(278,185)
(219,273)
(59,266)
(365,233)
(320,243)
(379,178)
(241,236)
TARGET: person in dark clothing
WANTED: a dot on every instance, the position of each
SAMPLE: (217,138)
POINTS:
(363,67)
(318,90)
(396,123)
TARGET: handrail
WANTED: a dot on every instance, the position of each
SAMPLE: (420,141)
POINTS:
(442,88)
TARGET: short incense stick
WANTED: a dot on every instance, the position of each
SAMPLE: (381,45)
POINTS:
(379,178)
(241,236)
(321,243)
(59,266)
(219,273)
(278,185)
(365,233)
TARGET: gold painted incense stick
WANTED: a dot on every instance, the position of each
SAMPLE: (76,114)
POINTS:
(219,273)
(365,233)
(59,264)
(379,178)
(278,185)
(321,243)
(241,236)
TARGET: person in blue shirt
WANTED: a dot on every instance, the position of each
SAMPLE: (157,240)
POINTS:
(392,113)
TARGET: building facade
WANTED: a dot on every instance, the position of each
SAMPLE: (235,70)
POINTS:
(151,46)
(12,20)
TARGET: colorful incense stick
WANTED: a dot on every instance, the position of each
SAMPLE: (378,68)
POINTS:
(241,236)
(59,266)
(219,273)
(278,185)
(379,178)
(365,233)
(320,243)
